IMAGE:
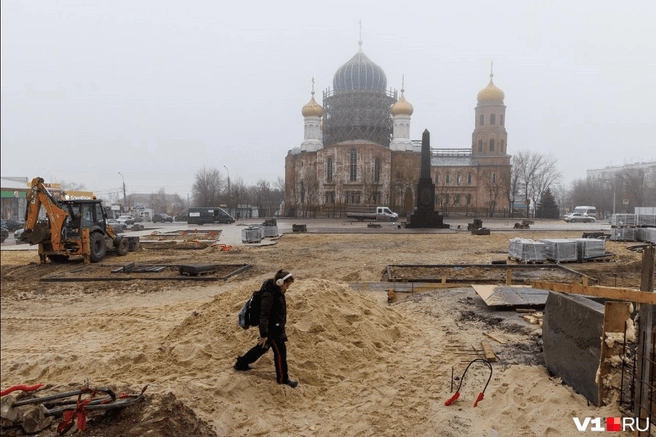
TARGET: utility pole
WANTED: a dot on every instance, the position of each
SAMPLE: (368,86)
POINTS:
(125,202)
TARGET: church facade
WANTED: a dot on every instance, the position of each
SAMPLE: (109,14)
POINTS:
(357,151)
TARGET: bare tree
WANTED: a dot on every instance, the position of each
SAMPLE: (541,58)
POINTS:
(158,201)
(207,188)
(515,186)
(546,174)
(633,181)
(532,174)
(239,192)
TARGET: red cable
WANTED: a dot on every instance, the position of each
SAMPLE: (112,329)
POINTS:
(452,399)
(20,387)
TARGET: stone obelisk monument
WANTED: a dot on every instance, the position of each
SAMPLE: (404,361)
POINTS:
(425,215)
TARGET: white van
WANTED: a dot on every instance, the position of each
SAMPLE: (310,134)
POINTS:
(590,211)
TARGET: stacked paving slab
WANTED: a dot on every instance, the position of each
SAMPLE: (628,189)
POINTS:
(557,249)
(634,227)
(561,250)
(526,250)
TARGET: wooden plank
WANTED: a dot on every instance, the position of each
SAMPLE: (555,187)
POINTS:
(616,293)
(495,338)
(615,316)
(647,272)
(488,351)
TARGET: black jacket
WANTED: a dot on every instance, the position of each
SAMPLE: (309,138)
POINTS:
(273,313)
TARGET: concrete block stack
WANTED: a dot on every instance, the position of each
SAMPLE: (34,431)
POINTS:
(561,250)
(270,231)
(623,234)
(648,235)
(622,220)
(252,234)
(525,250)
(646,220)
(589,248)
(634,227)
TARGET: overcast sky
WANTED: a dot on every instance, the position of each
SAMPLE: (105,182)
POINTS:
(158,89)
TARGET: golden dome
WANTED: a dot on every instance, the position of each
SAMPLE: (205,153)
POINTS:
(490,94)
(402,107)
(312,109)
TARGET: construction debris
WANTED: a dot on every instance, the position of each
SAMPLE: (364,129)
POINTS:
(34,414)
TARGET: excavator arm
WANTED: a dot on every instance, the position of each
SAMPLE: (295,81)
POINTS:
(37,197)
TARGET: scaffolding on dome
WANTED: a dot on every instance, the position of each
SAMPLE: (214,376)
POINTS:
(358,115)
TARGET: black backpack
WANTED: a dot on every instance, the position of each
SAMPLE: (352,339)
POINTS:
(249,315)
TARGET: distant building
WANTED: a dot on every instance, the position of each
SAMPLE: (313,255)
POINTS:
(357,150)
(608,173)
(14,193)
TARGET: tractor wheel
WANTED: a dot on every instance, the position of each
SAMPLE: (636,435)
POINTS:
(122,246)
(97,247)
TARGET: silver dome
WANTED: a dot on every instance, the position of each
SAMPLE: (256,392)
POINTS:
(360,74)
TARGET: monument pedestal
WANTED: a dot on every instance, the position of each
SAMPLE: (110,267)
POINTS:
(426,220)
(425,215)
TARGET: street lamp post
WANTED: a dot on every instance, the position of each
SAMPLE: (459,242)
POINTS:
(229,192)
(613,195)
(125,203)
(613,199)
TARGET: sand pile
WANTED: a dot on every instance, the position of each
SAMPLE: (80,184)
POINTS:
(365,368)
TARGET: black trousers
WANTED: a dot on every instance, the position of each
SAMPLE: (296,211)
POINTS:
(279,357)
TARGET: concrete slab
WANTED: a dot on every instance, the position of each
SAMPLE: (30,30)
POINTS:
(519,296)
(571,333)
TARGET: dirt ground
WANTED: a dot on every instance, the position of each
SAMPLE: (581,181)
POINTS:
(365,367)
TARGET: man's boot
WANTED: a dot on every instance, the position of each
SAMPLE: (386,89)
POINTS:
(241,365)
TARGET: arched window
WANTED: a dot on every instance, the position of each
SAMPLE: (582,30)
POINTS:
(354,165)
(377,170)
(491,145)
(493,119)
(480,145)
(446,199)
(456,199)
(503,146)
(469,178)
(458,179)
(469,199)
(448,179)
(481,119)
(494,178)
(302,192)
(501,119)
(329,170)
(437,178)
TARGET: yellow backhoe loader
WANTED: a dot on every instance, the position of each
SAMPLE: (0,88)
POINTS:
(70,228)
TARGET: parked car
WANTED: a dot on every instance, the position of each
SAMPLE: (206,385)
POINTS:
(4,234)
(162,218)
(12,224)
(577,217)
(125,219)
(182,217)
(118,227)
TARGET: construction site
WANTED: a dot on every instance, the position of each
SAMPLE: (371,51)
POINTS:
(485,329)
